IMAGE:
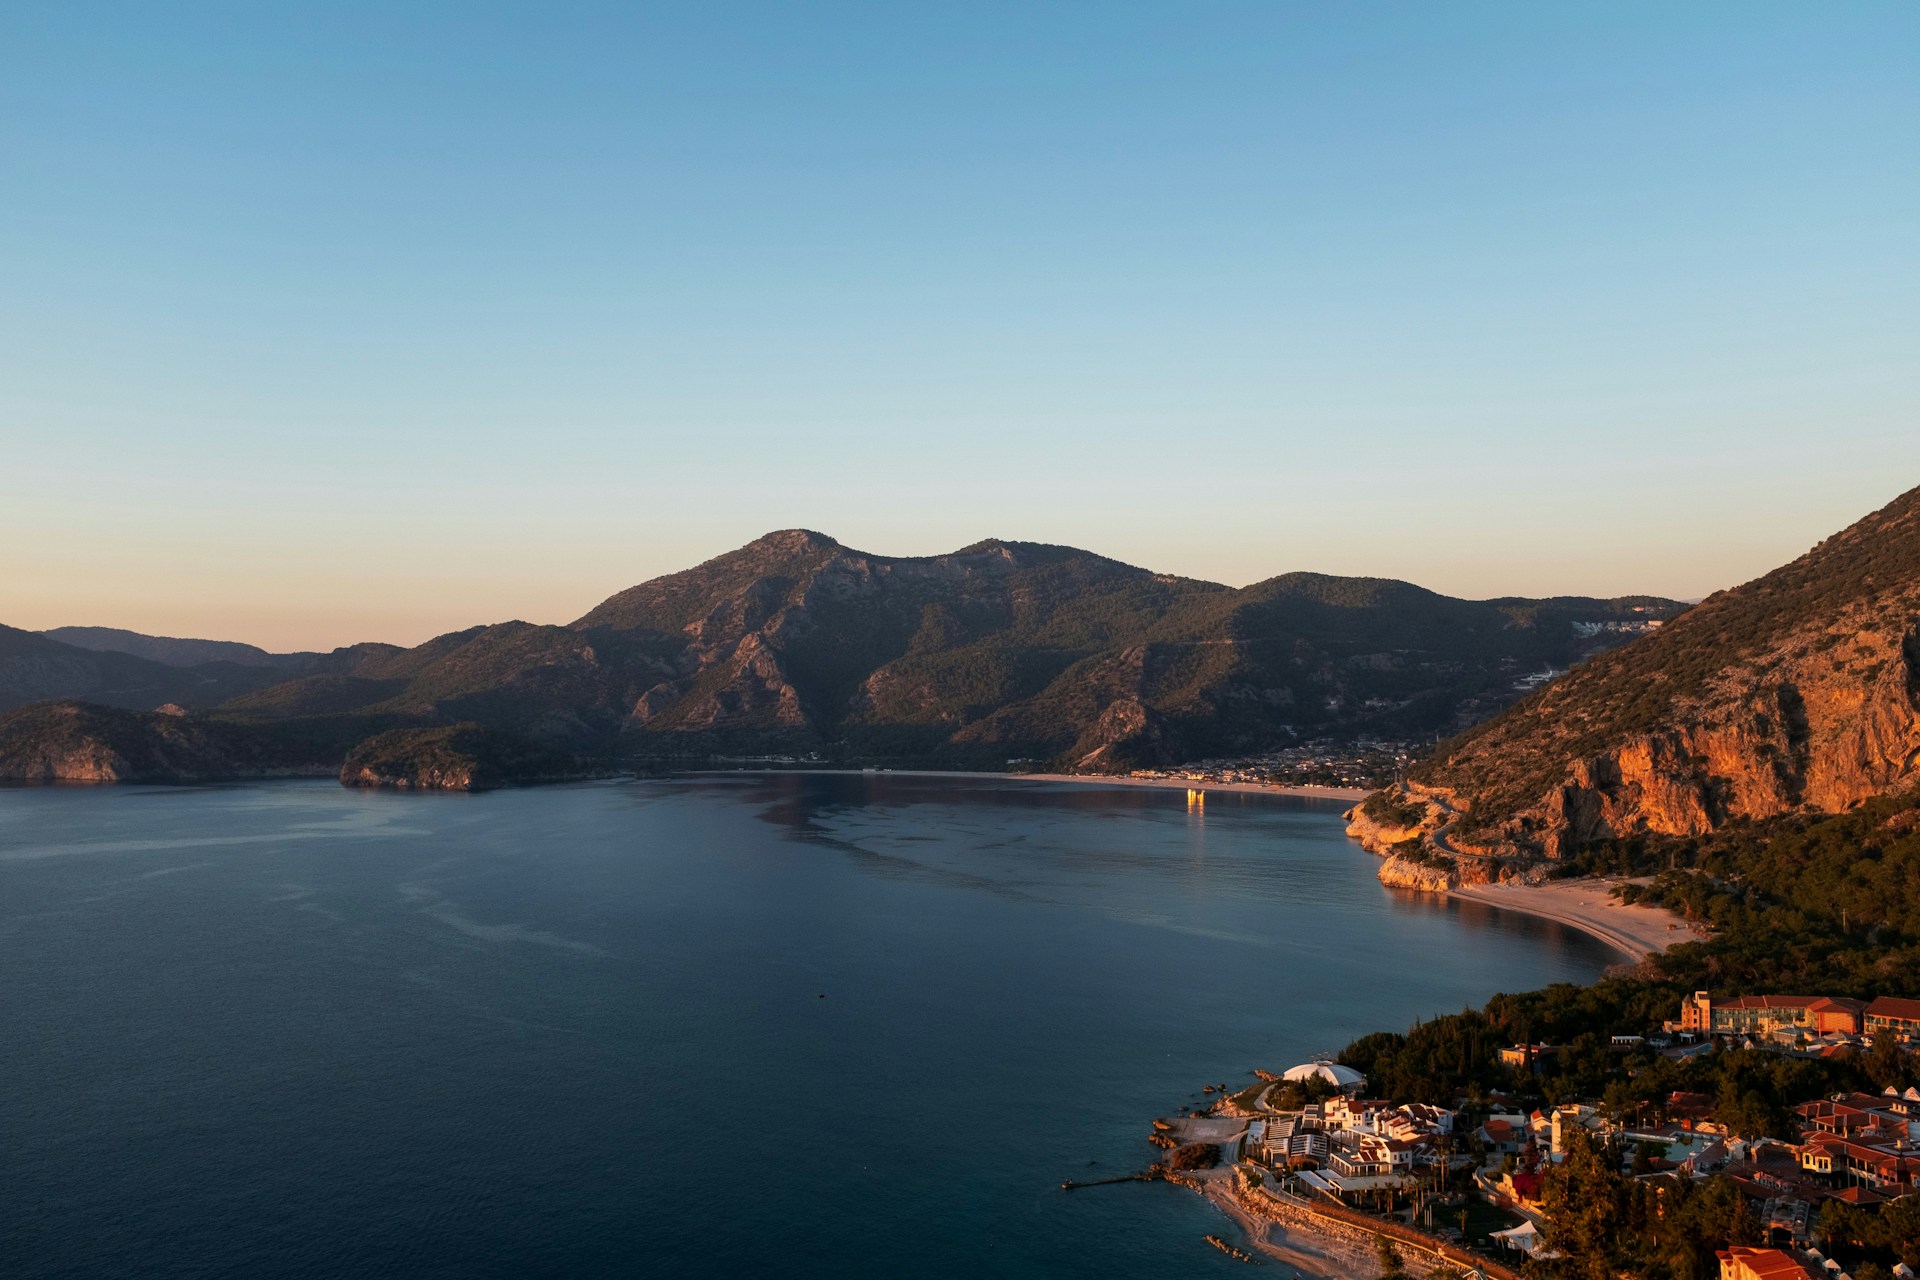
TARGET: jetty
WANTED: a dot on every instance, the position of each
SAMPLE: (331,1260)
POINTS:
(1238,1255)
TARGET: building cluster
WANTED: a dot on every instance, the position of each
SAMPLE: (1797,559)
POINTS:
(1616,627)
(1861,1150)
(1346,1147)
(1815,1025)
(1364,762)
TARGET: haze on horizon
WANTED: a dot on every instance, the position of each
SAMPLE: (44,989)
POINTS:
(338,323)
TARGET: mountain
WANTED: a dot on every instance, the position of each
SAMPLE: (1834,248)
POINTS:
(997,651)
(173,651)
(1798,692)
(34,667)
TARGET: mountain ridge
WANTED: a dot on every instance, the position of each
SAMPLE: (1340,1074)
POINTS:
(997,651)
(1796,692)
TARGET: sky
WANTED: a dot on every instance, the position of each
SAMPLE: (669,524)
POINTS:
(326,323)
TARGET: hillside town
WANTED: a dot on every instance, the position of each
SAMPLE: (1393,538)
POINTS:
(1470,1186)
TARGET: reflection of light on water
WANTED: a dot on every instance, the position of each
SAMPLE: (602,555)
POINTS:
(1196,824)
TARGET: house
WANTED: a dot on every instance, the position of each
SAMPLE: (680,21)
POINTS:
(1564,1120)
(1835,1115)
(1503,1135)
(1744,1262)
(1288,1142)
(1533,1058)
(1345,1112)
(1890,1169)
(1413,1120)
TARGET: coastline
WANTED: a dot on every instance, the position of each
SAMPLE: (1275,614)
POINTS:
(1587,905)
(1313,1255)
(1182,784)
(1348,794)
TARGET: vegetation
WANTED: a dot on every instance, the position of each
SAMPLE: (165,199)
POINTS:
(1390,810)
(467,757)
(1606,1224)
(83,741)
(1814,904)
(1193,1157)
(1002,650)
(1392,1265)
(1734,643)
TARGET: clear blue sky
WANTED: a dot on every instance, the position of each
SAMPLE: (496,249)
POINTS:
(321,323)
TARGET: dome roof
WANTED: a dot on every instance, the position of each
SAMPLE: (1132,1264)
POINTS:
(1342,1078)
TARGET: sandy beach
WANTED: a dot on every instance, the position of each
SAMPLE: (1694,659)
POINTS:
(1313,1256)
(1182,784)
(1587,905)
(1348,794)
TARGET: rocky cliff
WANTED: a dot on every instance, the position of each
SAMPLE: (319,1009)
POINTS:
(1798,692)
(79,742)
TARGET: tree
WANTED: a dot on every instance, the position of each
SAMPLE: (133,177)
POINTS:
(1583,1199)
(1392,1265)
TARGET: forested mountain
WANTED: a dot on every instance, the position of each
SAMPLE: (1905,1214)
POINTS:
(35,667)
(1797,692)
(175,651)
(1000,650)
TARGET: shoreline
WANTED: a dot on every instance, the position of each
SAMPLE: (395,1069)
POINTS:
(1587,905)
(1312,1255)
(1346,794)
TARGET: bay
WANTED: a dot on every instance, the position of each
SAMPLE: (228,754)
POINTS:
(786,1025)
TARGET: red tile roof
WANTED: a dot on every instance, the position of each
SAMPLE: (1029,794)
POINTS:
(1894,1007)
(1769,1264)
(1767,1002)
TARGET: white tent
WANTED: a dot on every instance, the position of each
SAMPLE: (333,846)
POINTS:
(1525,1237)
(1341,1078)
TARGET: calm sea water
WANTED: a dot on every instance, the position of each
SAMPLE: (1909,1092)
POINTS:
(761,1025)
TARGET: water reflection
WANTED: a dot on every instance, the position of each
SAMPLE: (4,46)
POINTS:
(1483,916)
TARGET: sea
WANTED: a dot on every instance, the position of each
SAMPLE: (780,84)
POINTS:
(780,1025)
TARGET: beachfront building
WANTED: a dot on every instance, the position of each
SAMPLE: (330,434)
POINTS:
(1766,1016)
(1891,1013)
(1291,1141)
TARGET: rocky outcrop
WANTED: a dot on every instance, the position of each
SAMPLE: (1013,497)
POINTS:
(1127,735)
(1799,692)
(1382,835)
(462,757)
(1403,872)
